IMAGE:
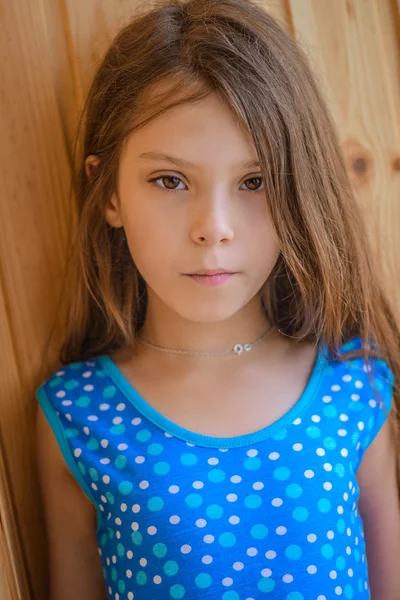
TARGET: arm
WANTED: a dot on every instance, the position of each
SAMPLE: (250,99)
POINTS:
(70,519)
(380,510)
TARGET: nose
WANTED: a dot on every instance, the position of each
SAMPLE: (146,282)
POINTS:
(212,223)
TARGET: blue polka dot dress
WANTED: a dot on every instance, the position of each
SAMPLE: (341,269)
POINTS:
(271,514)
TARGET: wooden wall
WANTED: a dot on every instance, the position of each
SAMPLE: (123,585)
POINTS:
(49,49)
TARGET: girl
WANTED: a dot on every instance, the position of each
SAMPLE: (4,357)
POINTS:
(224,421)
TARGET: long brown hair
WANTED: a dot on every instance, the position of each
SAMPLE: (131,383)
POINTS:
(324,285)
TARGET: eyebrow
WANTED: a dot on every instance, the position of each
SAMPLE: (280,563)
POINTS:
(180,162)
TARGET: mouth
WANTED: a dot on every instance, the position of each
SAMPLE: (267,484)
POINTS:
(211,277)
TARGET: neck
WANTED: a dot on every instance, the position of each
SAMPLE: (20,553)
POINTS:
(164,327)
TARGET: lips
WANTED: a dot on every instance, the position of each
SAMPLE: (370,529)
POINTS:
(211,277)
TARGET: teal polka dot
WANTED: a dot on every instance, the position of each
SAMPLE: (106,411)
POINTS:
(114,574)
(360,585)
(83,401)
(216,475)
(188,459)
(324,506)
(194,500)
(355,437)
(110,533)
(280,435)
(171,567)
(371,422)
(71,432)
(120,550)
(125,487)
(109,391)
(143,435)
(161,468)
(327,551)
(118,429)
(295,596)
(121,586)
(281,474)
(92,444)
(340,563)
(82,468)
(93,474)
(266,584)
(203,580)
(214,511)
(103,539)
(348,591)
(76,365)
(258,532)
(329,443)
(313,432)
(300,514)
(120,461)
(55,382)
(294,490)
(110,497)
(227,539)
(177,591)
(293,552)
(253,501)
(230,595)
(339,470)
(330,411)
(71,384)
(159,550)
(252,463)
(341,526)
(156,503)
(141,578)
(155,449)
(357,555)
(137,538)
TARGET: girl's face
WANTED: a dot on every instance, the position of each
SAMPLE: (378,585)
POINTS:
(189,203)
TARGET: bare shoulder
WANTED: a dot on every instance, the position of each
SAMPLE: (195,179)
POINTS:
(70,522)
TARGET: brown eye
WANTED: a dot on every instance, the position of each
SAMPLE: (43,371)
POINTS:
(253,183)
(165,186)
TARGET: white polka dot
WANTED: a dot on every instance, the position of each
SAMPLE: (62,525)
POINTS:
(359,384)
(348,550)
(297,447)
(342,432)
(157,579)
(129,554)
(297,421)
(335,388)
(174,519)
(106,479)
(345,496)
(338,590)
(266,572)
(311,537)
(88,388)
(312,569)
(277,502)
(327,486)
(340,510)
(326,399)
(251,551)
(344,417)
(252,452)
(330,535)
(207,559)
(360,425)
(309,474)
(236,479)
(85,429)
(135,508)
(198,485)
(201,523)
(333,574)
(231,497)
(348,531)
(86,374)
(208,539)
(61,394)
(104,443)
(316,418)
(273,456)
(238,566)
(234,520)
(186,548)
(77,452)
(287,578)
(213,461)
(136,421)
(270,554)
(122,446)
(69,402)
(142,562)
(258,485)
(104,406)
(344,452)
(117,420)
(321,598)
(355,397)
(320,452)
(372,403)
(93,418)
(328,467)
(227,581)
(346,377)
(144,484)
(281,530)
(173,489)
(350,572)
(139,460)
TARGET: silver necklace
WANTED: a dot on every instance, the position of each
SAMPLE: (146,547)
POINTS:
(237,348)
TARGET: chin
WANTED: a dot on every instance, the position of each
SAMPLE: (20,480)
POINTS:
(203,313)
